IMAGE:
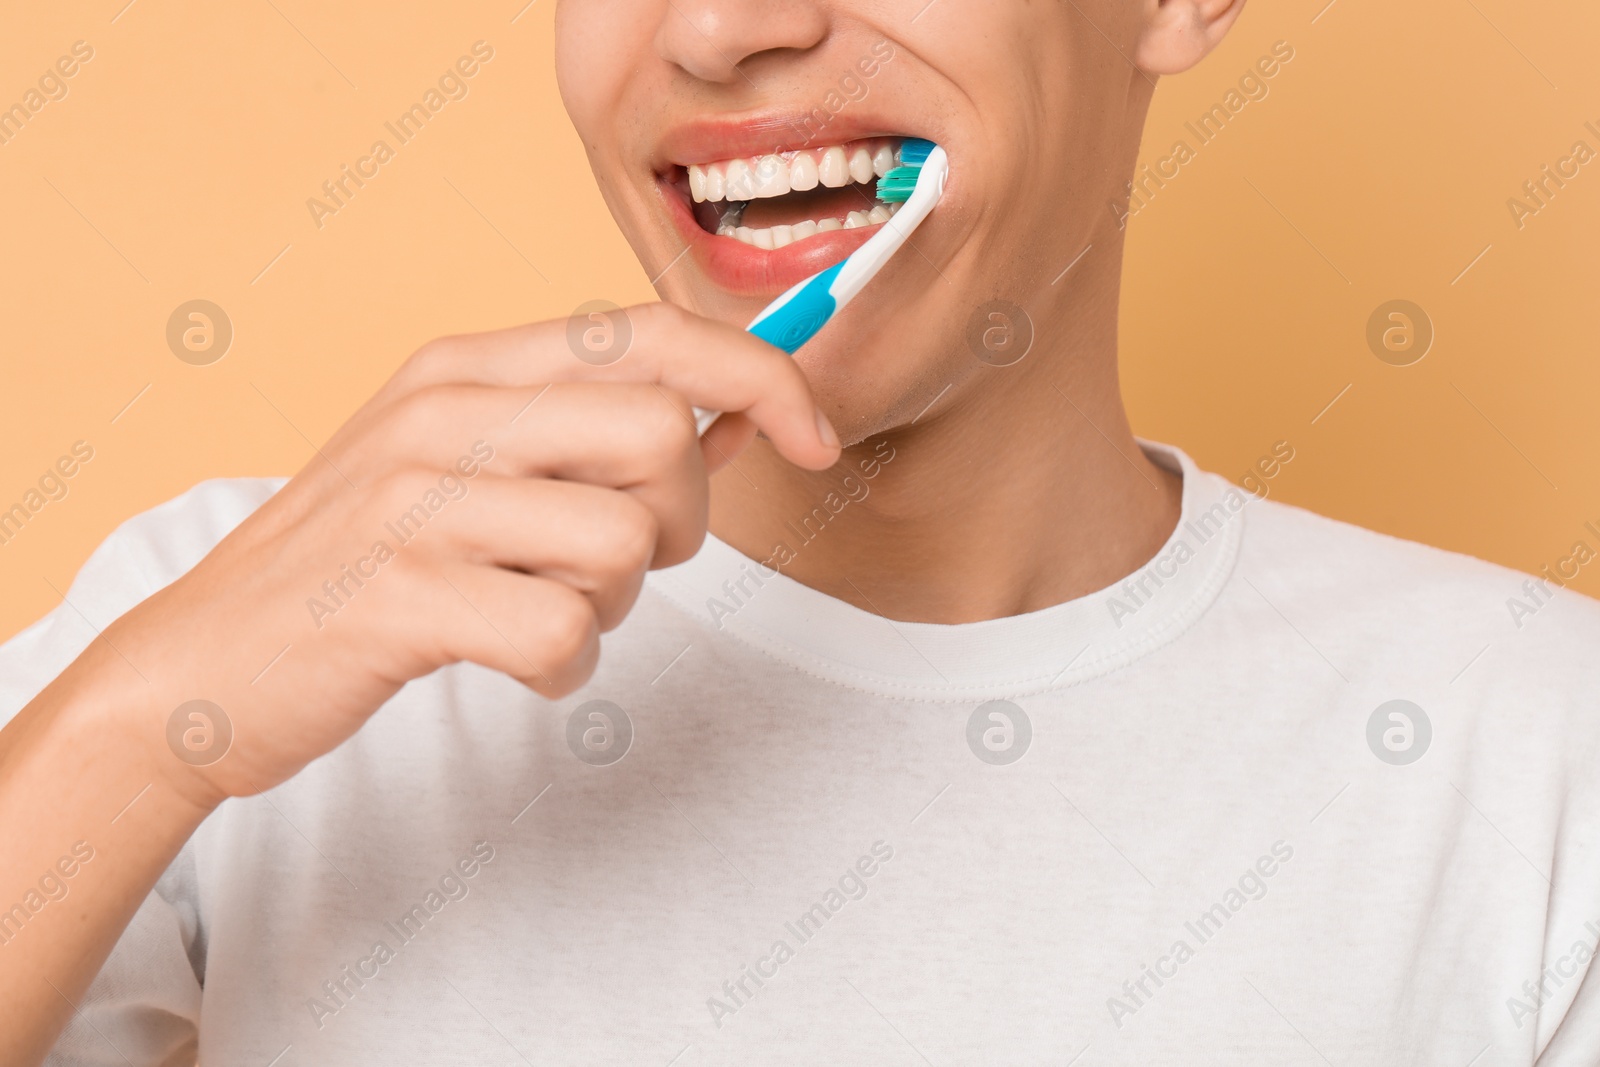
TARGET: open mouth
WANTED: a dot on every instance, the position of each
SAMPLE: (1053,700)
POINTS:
(775,200)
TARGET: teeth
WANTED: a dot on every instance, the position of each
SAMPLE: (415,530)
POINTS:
(771,177)
(802,173)
(739,179)
(834,169)
(775,237)
(775,174)
(734,183)
(860,166)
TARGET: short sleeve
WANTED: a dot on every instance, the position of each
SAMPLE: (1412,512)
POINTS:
(143,1008)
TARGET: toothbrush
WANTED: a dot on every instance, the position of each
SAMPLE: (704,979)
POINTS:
(796,316)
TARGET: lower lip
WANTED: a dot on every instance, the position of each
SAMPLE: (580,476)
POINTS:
(750,271)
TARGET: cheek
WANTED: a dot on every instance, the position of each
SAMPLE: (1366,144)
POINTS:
(598,44)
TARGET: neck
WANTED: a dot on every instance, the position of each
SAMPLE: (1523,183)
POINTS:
(1023,487)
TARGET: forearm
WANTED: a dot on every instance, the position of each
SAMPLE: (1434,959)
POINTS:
(87,825)
(563,516)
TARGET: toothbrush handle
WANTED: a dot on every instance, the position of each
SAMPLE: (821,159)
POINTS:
(789,322)
(703,418)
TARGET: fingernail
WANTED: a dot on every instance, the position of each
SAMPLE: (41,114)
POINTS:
(825,430)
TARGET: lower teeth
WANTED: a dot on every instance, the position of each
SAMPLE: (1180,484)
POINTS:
(778,236)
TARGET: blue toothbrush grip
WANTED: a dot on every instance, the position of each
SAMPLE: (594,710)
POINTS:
(797,321)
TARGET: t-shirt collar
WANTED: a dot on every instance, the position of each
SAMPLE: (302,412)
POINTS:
(1057,646)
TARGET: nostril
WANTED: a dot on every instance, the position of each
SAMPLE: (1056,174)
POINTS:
(682,44)
(712,39)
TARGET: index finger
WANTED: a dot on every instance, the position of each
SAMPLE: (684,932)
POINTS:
(711,364)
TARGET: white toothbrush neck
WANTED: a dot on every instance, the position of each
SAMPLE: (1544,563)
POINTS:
(864,264)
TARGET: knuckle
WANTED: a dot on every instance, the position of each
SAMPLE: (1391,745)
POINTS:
(614,606)
(682,547)
(570,624)
(630,535)
(428,363)
(679,438)
(655,423)
(660,315)
(407,572)
(417,414)
(569,679)
(675,428)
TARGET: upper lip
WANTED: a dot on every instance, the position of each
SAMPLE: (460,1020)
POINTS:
(710,140)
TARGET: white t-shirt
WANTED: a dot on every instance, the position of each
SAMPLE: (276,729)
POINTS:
(1193,830)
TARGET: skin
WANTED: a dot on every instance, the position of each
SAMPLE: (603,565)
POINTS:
(1025,197)
(602,477)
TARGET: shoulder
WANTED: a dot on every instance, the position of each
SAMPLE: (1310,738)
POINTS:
(1383,597)
(138,559)
(1317,554)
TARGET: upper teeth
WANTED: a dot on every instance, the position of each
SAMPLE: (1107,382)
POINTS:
(758,177)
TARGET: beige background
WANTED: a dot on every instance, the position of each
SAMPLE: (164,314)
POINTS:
(1378,167)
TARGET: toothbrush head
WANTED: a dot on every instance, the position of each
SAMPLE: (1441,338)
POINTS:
(897,186)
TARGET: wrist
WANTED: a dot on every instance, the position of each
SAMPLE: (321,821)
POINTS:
(112,721)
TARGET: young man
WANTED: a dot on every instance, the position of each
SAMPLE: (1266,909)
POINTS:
(995,736)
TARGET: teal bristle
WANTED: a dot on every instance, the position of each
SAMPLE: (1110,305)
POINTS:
(896,186)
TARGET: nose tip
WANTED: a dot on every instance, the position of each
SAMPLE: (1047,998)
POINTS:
(712,40)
